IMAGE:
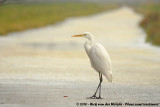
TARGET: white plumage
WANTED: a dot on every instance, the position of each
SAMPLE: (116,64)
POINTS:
(99,59)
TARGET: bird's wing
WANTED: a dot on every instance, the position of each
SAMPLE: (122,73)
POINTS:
(100,60)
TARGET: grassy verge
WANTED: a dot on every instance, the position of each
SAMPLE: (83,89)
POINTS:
(151,22)
(18,17)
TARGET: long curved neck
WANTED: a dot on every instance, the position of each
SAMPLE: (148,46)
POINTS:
(87,46)
(88,43)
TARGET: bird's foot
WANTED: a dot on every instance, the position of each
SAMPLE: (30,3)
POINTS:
(93,97)
(99,97)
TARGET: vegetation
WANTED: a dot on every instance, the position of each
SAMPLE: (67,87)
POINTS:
(151,22)
(18,17)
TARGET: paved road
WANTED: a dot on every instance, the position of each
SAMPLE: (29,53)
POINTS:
(37,65)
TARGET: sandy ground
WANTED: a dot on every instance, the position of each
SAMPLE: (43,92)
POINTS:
(39,67)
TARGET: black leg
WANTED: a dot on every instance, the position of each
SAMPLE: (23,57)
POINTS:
(99,86)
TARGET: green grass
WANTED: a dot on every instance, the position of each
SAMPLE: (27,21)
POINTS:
(16,17)
(151,22)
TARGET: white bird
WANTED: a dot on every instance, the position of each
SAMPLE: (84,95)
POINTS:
(99,59)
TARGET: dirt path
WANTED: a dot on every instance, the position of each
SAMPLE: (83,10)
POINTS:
(50,54)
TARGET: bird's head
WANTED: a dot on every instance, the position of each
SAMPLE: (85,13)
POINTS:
(87,35)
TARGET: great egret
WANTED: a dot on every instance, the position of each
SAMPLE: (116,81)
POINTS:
(99,59)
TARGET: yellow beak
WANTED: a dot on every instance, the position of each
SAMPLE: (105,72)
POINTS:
(78,35)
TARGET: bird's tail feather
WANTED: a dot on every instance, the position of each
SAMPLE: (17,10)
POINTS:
(109,77)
